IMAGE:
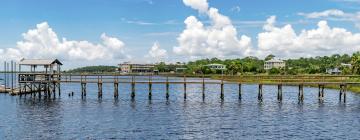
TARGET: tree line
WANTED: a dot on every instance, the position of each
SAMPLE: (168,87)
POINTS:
(254,65)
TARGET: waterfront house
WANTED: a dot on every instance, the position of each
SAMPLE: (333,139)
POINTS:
(216,66)
(334,71)
(128,67)
(274,63)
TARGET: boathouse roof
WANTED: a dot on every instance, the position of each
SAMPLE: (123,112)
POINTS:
(41,62)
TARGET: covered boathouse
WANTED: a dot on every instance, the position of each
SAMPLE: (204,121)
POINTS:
(39,75)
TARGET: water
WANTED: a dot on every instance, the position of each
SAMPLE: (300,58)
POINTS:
(92,118)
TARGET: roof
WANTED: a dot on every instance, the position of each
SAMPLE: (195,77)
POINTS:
(39,62)
(215,65)
(275,60)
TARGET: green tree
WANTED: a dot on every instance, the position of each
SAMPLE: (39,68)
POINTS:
(269,57)
(355,62)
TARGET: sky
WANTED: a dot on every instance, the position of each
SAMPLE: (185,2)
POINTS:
(109,32)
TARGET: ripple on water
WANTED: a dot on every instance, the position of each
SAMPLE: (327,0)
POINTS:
(106,118)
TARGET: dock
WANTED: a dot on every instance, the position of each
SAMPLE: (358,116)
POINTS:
(47,82)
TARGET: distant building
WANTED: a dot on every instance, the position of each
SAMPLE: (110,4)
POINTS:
(346,65)
(180,70)
(334,71)
(128,67)
(216,66)
(274,63)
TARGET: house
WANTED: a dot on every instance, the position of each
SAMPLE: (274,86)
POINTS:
(334,71)
(274,63)
(346,65)
(128,67)
(216,66)
(180,70)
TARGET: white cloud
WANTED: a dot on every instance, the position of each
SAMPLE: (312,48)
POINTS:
(326,13)
(201,5)
(220,39)
(335,15)
(43,42)
(324,40)
(157,52)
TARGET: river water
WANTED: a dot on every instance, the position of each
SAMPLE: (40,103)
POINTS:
(92,118)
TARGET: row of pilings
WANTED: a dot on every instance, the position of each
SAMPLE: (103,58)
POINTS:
(342,94)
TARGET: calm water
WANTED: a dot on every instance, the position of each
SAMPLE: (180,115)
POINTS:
(92,118)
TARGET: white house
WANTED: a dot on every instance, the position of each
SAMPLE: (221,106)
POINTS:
(274,63)
(216,66)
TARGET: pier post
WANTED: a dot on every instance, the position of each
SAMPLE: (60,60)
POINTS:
(203,88)
(83,89)
(100,87)
(342,92)
(184,87)
(59,88)
(345,88)
(39,90)
(301,93)
(116,89)
(222,90)
(319,95)
(99,90)
(260,94)
(279,94)
(167,88)
(322,92)
(240,93)
(133,88)
(54,89)
(150,87)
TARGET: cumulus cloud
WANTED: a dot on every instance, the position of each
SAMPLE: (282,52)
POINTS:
(156,52)
(201,5)
(324,40)
(219,39)
(43,42)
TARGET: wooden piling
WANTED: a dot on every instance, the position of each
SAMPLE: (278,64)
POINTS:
(184,87)
(222,89)
(83,89)
(150,87)
(319,94)
(322,91)
(203,87)
(240,93)
(301,93)
(167,87)
(342,92)
(133,88)
(116,90)
(279,94)
(260,93)
(100,87)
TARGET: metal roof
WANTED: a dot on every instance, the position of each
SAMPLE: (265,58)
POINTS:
(39,62)
(275,60)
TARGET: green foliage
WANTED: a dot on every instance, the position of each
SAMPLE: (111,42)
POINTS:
(93,69)
(274,71)
(355,62)
(269,57)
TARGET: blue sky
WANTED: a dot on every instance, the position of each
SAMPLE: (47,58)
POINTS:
(140,23)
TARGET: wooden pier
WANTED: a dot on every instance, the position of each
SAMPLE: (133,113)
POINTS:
(167,80)
(48,81)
